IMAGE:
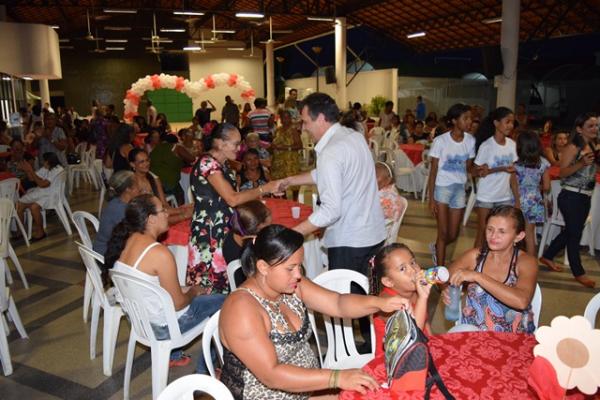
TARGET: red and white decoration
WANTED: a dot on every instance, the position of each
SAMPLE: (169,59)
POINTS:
(192,89)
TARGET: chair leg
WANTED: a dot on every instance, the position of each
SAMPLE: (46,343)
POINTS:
(62,216)
(4,351)
(16,318)
(88,291)
(545,231)
(94,326)
(129,364)
(22,229)
(112,322)
(19,268)
(160,366)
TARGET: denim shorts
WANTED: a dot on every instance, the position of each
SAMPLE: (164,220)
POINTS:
(493,204)
(454,195)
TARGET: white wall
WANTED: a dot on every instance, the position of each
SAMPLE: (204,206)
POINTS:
(216,61)
(365,86)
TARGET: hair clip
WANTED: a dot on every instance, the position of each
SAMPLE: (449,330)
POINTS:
(253,240)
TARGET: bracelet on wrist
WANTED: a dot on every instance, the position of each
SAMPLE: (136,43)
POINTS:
(336,375)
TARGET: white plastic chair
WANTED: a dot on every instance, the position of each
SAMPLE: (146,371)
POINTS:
(554,221)
(374,148)
(210,335)
(80,219)
(133,293)
(184,388)
(7,304)
(423,170)
(9,189)
(393,227)
(7,210)
(58,203)
(591,310)
(112,313)
(536,304)
(190,195)
(231,268)
(470,201)
(172,200)
(341,348)
(85,168)
(404,170)
(99,169)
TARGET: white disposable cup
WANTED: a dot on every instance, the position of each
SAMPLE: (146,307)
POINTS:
(296,212)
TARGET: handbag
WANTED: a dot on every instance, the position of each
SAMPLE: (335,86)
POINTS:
(408,362)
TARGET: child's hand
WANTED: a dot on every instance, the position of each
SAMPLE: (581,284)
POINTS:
(510,169)
(423,287)
(483,170)
(393,303)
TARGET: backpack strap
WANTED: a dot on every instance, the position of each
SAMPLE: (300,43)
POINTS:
(435,378)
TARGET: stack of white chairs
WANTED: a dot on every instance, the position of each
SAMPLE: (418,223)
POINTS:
(133,293)
(341,348)
(404,172)
(7,303)
(184,388)
(9,189)
(100,300)
(7,211)
(392,227)
(59,204)
(80,219)
(85,168)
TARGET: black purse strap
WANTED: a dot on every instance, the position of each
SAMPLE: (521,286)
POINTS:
(435,378)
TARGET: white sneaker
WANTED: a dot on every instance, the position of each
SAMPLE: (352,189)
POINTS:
(432,250)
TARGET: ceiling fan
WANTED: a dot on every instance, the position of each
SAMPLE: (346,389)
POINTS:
(251,55)
(89,36)
(97,50)
(270,34)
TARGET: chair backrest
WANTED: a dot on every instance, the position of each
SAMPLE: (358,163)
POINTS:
(555,188)
(79,219)
(184,388)
(7,208)
(341,348)
(9,188)
(91,261)
(302,192)
(57,187)
(231,268)
(536,304)
(135,293)
(394,226)
(591,310)
(210,335)
(401,160)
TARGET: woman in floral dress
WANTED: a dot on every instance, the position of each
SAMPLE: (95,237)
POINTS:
(213,187)
(286,144)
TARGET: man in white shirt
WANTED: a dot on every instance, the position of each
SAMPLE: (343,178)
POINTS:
(345,178)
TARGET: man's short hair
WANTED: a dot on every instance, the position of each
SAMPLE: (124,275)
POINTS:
(321,103)
(389,103)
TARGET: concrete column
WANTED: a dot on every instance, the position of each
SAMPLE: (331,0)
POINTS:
(270,64)
(44,91)
(340,63)
(509,45)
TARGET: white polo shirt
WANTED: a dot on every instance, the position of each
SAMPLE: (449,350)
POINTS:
(345,178)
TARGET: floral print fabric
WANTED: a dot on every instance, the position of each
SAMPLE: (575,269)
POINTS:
(532,203)
(210,225)
(391,203)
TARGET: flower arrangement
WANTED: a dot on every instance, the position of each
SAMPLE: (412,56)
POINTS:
(192,89)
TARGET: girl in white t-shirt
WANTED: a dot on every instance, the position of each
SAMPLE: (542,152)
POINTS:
(451,157)
(496,154)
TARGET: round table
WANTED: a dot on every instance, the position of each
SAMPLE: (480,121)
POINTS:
(473,365)
(178,237)
(414,152)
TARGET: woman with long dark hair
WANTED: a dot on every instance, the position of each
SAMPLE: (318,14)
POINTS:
(213,188)
(500,278)
(496,153)
(133,248)
(265,330)
(577,172)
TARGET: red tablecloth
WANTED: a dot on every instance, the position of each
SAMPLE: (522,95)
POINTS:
(473,365)
(413,151)
(281,212)
(555,174)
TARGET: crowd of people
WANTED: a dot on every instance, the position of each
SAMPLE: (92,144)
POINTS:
(252,153)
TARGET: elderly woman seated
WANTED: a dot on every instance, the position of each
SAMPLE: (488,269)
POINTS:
(264,325)
(253,174)
(40,196)
(133,249)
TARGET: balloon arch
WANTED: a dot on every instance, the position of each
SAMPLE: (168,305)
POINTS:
(192,89)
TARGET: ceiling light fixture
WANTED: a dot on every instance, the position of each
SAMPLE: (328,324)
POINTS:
(115,40)
(192,48)
(6,78)
(415,35)
(117,28)
(321,19)
(174,30)
(54,26)
(28,78)
(223,31)
(115,48)
(188,13)
(249,15)
(208,41)
(159,39)
(119,11)
(494,20)
(236,48)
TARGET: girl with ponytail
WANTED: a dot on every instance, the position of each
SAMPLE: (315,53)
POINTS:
(264,324)
(133,249)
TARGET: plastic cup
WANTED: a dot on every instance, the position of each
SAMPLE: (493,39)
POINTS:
(296,212)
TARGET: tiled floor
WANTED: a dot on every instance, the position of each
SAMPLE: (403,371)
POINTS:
(54,362)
